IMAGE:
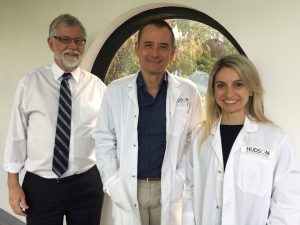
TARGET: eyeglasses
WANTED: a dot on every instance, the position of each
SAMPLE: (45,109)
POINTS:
(68,40)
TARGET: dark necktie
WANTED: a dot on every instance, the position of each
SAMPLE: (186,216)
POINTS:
(63,128)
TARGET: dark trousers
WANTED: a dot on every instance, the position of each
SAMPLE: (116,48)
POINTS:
(78,198)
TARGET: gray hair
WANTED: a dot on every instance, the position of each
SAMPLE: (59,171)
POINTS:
(67,20)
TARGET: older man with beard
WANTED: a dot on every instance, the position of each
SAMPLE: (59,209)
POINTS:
(50,136)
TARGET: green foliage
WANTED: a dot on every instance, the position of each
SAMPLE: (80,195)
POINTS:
(198,48)
(124,63)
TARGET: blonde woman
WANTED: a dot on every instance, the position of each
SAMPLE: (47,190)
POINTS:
(241,168)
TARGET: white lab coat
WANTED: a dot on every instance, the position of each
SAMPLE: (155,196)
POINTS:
(116,139)
(261,183)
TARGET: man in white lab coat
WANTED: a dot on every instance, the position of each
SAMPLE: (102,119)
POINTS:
(143,132)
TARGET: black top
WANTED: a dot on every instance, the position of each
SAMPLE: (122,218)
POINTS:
(228,136)
(151,129)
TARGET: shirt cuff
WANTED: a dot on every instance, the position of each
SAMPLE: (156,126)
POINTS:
(13,167)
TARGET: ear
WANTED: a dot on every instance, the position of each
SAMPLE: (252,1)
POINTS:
(136,45)
(173,52)
(50,43)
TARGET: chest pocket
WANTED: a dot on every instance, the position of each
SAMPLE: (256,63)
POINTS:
(255,174)
(89,112)
(180,118)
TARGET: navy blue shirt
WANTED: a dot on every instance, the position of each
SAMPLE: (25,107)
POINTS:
(151,129)
(228,136)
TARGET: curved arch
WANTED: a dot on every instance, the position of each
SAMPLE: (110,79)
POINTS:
(129,27)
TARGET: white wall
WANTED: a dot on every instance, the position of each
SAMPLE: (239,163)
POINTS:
(269,34)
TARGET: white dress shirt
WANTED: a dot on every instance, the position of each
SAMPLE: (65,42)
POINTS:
(31,134)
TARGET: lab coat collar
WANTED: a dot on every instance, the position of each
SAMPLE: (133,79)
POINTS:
(249,127)
(132,89)
(173,94)
(174,91)
(216,143)
(172,80)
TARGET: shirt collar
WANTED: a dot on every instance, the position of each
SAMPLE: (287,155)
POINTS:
(141,83)
(58,72)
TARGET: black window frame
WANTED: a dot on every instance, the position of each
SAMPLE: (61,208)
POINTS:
(133,24)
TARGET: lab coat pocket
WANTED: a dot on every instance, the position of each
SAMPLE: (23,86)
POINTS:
(179,185)
(118,195)
(179,120)
(120,216)
(255,174)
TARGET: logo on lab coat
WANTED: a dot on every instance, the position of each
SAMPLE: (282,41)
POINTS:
(258,151)
(182,100)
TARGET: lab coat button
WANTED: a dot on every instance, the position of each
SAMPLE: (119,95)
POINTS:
(217,207)
(219,171)
(134,145)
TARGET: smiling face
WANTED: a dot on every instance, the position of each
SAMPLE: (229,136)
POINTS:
(67,56)
(231,95)
(154,50)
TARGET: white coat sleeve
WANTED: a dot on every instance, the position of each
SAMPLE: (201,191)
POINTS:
(188,217)
(285,200)
(106,143)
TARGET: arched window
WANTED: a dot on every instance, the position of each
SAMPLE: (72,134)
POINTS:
(200,41)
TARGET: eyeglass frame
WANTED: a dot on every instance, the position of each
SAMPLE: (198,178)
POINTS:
(68,40)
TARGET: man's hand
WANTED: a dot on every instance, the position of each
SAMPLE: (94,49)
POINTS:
(17,199)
